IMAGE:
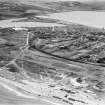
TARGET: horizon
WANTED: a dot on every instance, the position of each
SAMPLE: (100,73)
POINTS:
(74,0)
(54,0)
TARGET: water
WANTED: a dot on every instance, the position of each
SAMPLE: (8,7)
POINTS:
(13,23)
(89,18)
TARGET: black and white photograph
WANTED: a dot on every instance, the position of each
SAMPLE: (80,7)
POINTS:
(52,52)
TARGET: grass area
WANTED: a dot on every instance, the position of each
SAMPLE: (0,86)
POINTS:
(70,40)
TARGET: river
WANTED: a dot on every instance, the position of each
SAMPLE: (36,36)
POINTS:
(13,23)
(89,18)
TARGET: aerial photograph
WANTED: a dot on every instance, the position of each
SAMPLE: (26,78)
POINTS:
(52,52)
